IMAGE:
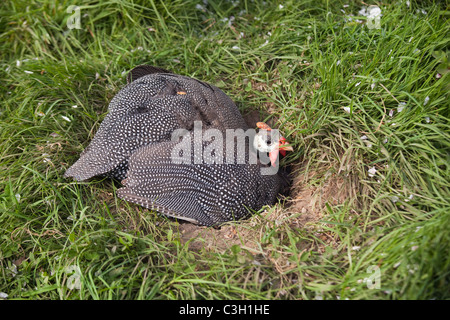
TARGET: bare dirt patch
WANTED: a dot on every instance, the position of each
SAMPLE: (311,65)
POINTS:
(304,207)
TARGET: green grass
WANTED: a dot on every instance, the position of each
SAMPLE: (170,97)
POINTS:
(300,65)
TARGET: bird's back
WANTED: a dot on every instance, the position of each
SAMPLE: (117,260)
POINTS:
(148,110)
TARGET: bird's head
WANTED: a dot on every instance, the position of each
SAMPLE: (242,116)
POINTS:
(263,142)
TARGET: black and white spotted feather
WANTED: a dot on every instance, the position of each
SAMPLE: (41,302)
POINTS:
(148,110)
(133,144)
(206,194)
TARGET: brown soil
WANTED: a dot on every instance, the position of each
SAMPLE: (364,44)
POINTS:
(304,207)
(310,191)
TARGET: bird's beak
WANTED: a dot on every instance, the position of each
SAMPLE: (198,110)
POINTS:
(283,147)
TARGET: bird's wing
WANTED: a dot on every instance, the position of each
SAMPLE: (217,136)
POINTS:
(181,206)
(116,140)
(193,192)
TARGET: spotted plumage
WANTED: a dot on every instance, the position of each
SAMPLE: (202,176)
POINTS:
(206,194)
(148,110)
(133,144)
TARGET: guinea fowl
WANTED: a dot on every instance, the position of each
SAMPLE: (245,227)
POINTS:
(135,144)
(153,104)
(208,193)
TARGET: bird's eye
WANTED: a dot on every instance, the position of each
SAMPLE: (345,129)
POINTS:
(264,142)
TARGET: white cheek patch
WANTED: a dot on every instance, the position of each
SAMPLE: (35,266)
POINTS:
(260,141)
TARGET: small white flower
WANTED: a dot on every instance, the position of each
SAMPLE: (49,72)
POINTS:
(18,63)
(3,295)
(46,158)
(75,106)
(413,268)
(17,197)
(414,248)
(427,119)
(396,265)
(66,118)
(200,7)
(97,75)
(280,6)
(176,60)
(338,62)
(438,75)
(394,199)
(401,106)
(264,44)
(29,72)
(385,140)
(13,269)
(372,86)
(427,98)
(372,171)
(410,39)
(255,262)
(366,141)
(346,5)
(346,109)
(357,84)
(407,4)
(236,48)
(40,113)
(418,228)
(391,112)
(356,248)
(409,198)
